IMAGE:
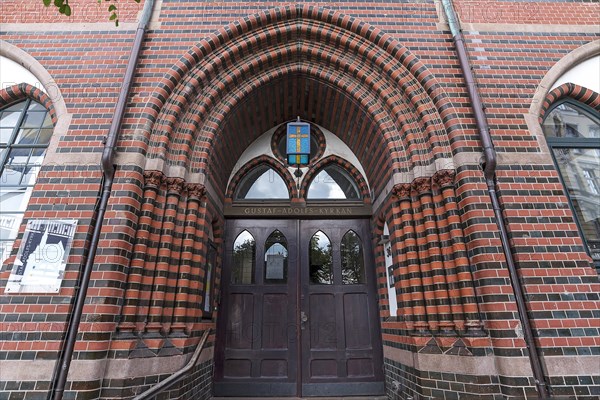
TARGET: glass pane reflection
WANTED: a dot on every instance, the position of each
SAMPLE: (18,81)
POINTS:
(244,249)
(276,258)
(580,170)
(321,260)
(565,121)
(21,159)
(353,267)
(9,119)
(262,183)
(333,183)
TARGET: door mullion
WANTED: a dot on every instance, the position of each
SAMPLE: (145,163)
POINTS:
(300,305)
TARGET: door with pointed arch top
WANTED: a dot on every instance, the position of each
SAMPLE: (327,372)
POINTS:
(298,315)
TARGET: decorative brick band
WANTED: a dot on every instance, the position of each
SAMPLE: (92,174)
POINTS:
(21,91)
(571,91)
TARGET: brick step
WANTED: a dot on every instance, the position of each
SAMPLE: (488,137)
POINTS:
(305,398)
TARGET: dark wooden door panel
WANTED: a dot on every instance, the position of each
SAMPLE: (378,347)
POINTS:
(240,321)
(275,321)
(257,349)
(356,321)
(322,324)
(260,351)
(342,354)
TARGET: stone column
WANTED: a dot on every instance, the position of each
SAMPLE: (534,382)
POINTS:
(189,267)
(160,284)
(399,246)
(131,302)
(420,324)
(473,324)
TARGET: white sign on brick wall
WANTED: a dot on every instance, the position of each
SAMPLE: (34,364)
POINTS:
(42,257)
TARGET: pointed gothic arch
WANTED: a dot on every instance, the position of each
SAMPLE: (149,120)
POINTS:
(340,72)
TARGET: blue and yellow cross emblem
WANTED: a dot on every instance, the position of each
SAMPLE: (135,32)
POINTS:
(298,143)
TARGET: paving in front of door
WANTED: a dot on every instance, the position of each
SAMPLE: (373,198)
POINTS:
(304,398)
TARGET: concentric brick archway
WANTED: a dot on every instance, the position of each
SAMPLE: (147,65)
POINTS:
(304,61)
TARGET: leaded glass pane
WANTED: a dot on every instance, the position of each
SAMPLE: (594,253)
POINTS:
(9,119)
(332,182)
(244,250)
(276,258)
(282,146)
(262,183)
(34,119)
(5,134)
(44,137)
(27,136)
(353,265)
(321,260)
(47,121)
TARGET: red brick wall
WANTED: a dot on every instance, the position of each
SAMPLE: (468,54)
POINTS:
(88,66)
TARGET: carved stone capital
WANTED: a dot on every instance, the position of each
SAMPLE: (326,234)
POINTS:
(195,191)
(422,185)
(175,185)
(153,179)
(444,178)
(402,191)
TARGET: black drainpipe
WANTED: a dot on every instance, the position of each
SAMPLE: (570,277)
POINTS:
(489,172)
(108,174)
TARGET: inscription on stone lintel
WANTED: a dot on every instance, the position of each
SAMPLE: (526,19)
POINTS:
(311,211)
(298,210)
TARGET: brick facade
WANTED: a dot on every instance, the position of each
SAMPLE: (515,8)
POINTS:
(382,76)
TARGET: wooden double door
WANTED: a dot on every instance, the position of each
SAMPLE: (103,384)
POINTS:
(298,315)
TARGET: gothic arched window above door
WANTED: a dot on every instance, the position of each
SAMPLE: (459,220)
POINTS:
(333,183)
(262,182)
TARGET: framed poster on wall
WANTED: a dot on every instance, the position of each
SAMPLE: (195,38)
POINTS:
(42,257)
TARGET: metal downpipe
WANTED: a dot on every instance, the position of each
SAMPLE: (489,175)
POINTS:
(489,171)
(108,173)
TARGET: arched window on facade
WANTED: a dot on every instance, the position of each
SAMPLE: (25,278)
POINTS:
(25,131)
(572,132)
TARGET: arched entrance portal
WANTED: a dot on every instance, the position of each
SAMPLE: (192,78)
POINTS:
(299,312)
(395,121)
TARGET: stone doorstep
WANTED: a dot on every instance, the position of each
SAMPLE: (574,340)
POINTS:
(304,398)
